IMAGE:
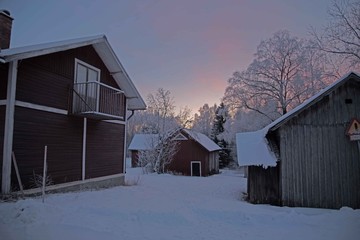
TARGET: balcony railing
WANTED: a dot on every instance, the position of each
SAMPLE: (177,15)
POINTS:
(97,100)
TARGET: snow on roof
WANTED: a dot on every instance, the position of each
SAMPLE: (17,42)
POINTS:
(312,100)
(143,141)
(203,140)
(103,49)
(11,54)
(148,141)
(253,147)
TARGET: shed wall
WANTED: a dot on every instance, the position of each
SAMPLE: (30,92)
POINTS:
(190,150)
(263,185)
(134,158)
(319,164)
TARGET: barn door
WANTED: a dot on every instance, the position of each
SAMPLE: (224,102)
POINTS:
(196,168)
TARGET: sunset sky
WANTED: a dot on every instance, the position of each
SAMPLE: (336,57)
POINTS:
(190,47)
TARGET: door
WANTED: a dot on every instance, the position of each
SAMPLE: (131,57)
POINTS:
(196,168)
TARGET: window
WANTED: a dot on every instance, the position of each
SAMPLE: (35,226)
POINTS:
(86,87)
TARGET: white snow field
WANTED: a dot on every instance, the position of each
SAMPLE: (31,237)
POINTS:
(171,207)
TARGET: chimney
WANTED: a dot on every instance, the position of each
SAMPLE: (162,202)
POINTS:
(5,29)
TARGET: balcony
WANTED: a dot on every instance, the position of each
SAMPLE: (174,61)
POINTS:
(97,101)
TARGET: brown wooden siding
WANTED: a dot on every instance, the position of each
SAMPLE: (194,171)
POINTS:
(2,124)
(104,148)
(47,80)
(63,136)
(190,150)
(3,80)
(320,166)
(263,185)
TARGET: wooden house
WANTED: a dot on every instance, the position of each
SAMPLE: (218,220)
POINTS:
(71,96)
(197,154)
(306,158)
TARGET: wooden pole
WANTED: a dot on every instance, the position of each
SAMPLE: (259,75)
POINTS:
(17,173)
(44,174)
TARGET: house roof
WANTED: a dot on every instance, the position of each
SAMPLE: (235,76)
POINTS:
(148,141)
(103,49)
(253,147)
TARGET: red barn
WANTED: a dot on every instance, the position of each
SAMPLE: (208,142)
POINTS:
(197,154)
(71,96)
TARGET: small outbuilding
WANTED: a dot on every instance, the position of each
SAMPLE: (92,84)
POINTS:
(197,154)
(309,157)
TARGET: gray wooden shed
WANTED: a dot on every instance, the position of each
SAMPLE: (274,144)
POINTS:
(312,163)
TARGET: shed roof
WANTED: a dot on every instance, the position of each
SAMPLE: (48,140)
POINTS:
(144,141)
(203,140)
(103,49)
(148,141)
(253,147)
(311,101)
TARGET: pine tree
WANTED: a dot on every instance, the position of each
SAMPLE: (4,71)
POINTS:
(221,116)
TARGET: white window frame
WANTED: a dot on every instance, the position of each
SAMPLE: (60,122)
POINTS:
(78,61)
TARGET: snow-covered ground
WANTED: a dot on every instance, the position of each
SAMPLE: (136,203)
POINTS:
(171,207)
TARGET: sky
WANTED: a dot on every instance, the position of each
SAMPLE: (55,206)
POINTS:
(190,47)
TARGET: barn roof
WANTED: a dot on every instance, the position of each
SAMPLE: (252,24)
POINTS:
(148,141)
(253,147)
(103,49)
(203,140)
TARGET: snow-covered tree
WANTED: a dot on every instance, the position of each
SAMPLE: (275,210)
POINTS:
(218,135)
(183,118)
(284,71)
(159,120)
(341,36)
(161,151)
(204,119)
(162,106)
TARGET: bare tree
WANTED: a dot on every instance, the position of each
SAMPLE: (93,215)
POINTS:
(341,36)
(159,121)
(283,74)
(160,153)
(162,105)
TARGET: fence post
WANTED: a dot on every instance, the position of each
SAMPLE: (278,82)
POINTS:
(44,174)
